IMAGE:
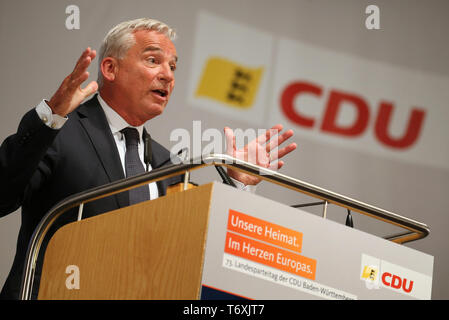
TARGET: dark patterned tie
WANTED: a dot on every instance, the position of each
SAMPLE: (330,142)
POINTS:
(134,166)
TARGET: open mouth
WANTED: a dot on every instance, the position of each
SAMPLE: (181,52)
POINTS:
(161,92)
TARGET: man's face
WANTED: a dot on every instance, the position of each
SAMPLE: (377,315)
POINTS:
(145,77)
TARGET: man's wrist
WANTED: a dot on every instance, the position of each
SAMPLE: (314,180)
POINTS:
(50,119)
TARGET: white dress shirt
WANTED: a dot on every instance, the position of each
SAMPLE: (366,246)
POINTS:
(116,123)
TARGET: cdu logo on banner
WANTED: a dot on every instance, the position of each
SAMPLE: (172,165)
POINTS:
(381,274)
(330,97)
(230,69)
(371,276)
(228,82)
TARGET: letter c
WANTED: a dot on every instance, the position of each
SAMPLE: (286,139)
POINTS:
(384,276)
(287,105)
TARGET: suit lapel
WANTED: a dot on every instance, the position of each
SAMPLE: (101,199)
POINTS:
(94,121)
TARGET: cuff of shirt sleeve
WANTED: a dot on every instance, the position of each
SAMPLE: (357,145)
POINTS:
(45,113)
(242,186)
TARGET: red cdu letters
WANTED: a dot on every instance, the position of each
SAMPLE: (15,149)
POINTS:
(333,106)
(361,122)
(288,96)
(413,128)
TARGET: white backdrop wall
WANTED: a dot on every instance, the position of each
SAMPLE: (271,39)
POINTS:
(323,43)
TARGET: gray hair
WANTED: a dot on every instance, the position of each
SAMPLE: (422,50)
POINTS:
(120,39)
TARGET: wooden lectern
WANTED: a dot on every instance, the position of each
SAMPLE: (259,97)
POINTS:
(216,241)
(151,250)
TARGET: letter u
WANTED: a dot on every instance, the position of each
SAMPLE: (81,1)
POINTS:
(413,127)
(234,220)
(410,287)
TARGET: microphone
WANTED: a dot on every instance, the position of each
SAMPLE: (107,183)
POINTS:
(308,204)
(147,152)
(147,159)
(181,151)
(225,177)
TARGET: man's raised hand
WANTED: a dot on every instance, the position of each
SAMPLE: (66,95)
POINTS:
(70,94)
(263,151)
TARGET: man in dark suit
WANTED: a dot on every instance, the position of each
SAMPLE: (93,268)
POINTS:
(62,148)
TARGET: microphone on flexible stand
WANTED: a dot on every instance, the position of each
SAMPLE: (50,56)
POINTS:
(181,151)
(147,152)
(225,177)
(147,157)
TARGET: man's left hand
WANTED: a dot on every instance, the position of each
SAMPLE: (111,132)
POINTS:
(261,151)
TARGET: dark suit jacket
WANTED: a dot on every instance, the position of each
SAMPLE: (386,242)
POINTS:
(40,166)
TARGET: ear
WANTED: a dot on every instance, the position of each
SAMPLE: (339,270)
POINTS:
(109,68)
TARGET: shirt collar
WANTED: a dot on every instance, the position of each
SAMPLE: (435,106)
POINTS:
(115,121)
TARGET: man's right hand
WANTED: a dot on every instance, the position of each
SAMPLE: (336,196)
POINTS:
(70,94)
